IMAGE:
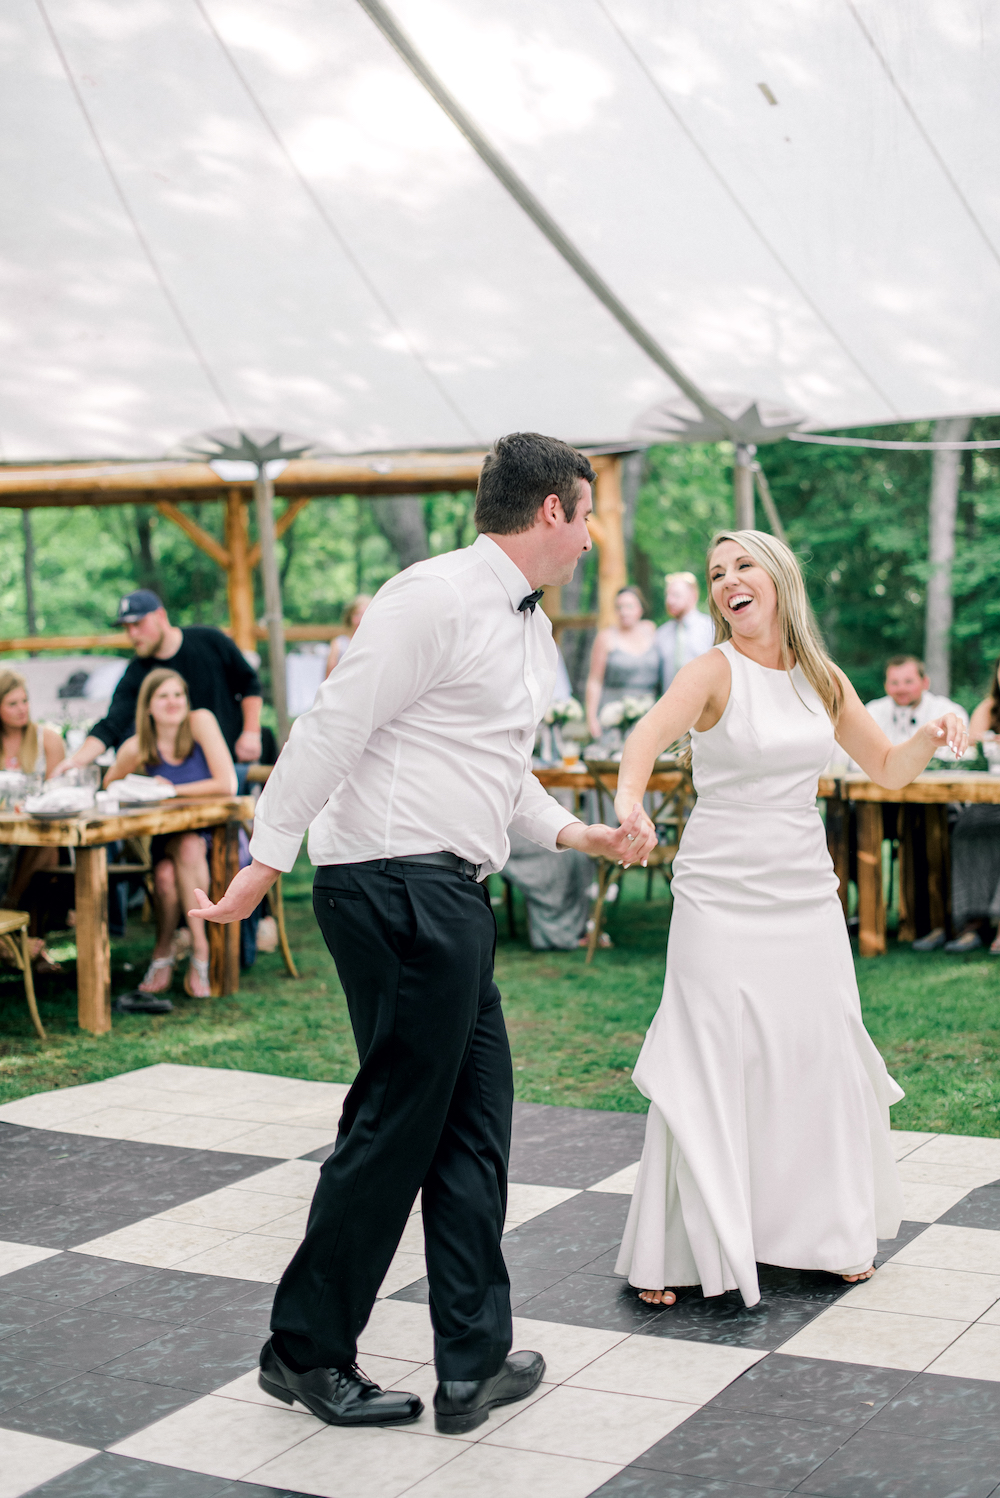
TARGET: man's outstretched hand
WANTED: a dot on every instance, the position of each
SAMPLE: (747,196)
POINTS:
(241,898)
(630,843)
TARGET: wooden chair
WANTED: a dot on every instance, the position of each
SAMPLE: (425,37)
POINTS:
(19,920)
(276,906)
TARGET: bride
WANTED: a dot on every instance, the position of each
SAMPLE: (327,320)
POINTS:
(767,1137)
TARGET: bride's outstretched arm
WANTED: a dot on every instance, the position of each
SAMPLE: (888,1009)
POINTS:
(894,765)
(696,698)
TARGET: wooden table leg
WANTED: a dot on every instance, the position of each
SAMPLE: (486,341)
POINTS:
(224,941)
(93,948)
(871,901)
(838,842)
(938,868)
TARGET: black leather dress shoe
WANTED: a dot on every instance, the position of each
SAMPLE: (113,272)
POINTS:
(462,1404)
(340,1396)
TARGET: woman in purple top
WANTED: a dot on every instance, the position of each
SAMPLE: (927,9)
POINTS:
(187,749)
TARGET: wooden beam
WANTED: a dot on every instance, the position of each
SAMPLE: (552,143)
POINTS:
(281,525)
(609,536)
(200,537)
(239,580)
(119,641)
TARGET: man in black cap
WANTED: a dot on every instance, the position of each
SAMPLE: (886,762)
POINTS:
(217,673)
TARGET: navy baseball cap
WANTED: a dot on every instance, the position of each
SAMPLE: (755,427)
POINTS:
(137,605)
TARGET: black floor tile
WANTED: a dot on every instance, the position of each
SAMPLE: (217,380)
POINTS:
(110,1476)
(66,1226)
(250,1320)
(187,1357)
(889,1246)
(844,1396)
(759,1450)
(935,1407)
(322,1153)
(94,1410)
(81,1338)
(593,1300)
(569,1236)
(726,1320)
(173,1296)
(553,1146)
(18,1311)
(24,1378)
(877,1464)
(639,1482)
(72,1279)
(980,1209)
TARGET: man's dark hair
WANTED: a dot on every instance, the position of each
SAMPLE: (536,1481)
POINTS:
(904,660)
(520,471)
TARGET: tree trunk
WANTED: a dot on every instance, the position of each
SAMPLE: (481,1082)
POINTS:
(945,470)
(401,521)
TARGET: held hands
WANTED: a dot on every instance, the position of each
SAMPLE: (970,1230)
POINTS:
(628,844)
(946,732)
(241,898)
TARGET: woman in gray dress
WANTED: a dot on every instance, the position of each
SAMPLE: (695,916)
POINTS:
(624,661)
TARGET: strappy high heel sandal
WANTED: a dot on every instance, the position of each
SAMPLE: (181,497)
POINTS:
(196,984)
(158,965)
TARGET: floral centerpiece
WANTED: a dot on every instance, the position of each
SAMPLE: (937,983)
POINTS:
(557,715)
(626,712)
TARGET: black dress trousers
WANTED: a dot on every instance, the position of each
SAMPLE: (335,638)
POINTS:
(430,1108)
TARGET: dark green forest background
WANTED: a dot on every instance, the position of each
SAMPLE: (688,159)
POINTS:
(857,519)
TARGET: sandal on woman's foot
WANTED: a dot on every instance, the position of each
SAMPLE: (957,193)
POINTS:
(857,1279)
(666,1297)
(159,976)
(196,984)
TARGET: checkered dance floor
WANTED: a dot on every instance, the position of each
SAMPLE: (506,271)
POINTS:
(144,1220)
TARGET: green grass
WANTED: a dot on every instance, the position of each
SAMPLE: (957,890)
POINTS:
(575,1031)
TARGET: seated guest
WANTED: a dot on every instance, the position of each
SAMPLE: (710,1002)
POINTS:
(624,660)
(975,854)
(217,674)
(555,892)
(33,750)
(184,748)
(909,703)
(687,632)
(352,616)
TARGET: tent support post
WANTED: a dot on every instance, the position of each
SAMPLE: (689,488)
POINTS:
(263,493)
(743,487)
(612,573)
(238,574)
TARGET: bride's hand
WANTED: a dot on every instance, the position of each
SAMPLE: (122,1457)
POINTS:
(947,732)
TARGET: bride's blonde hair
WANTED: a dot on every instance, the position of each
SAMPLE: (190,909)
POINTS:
(800,634)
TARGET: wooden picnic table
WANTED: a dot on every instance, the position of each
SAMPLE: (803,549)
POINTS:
(88,835)
(924,872)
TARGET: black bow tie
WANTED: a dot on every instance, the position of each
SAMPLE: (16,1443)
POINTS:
(530,601)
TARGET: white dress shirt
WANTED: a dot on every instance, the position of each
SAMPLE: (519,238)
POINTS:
(901,723)
(680,640)
(421,740)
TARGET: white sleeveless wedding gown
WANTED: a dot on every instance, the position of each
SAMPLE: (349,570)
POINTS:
(767,1138)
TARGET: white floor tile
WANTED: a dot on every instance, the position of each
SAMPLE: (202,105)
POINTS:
(492,1472)
(353,1463)
(27,1461)
(904,1142)
(230,1210)
(397,1329)
(220,1437)
(566,1349)
(155,1242)
(601,1427)
(622,1182)
(685,1372)
(526,1202)
(960,1149)
(412,1241)
(951,1173)
(926,1203)
(880,1339)
(45,1110)
(941,1247)
(277,1141)
(117,1123)
(976,1354)
(204,1132)
(15,1256)
(294,1178)
(946,1294)
(291,1225)
(404,1270)
(250,1256)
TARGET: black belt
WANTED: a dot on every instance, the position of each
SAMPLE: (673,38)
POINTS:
(438,861)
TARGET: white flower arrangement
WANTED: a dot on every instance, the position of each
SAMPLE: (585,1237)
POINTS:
(568,710)
(626,711)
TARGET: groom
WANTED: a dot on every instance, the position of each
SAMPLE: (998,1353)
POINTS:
(408,771)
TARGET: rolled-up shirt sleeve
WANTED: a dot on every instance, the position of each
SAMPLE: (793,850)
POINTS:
(403,645)
(538,816)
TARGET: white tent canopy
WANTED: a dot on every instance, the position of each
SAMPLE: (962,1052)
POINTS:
(253,213)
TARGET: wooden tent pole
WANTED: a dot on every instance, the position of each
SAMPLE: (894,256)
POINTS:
(609,536)
(263,493)
(743,513)
(239,577)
